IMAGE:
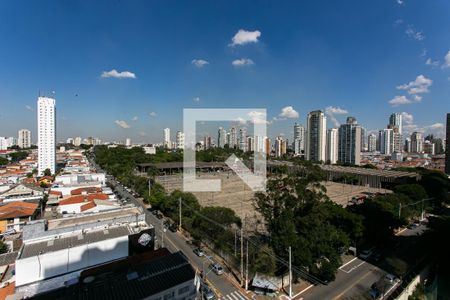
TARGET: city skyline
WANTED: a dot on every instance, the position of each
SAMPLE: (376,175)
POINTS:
(116,86)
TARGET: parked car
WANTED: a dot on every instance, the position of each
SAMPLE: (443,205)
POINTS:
(217,268)
(199,252)
(207,293)
(173,227)
(365,254)
(413,225)
(391,278)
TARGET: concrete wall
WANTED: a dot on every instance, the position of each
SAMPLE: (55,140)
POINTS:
(47,265)
(412,286)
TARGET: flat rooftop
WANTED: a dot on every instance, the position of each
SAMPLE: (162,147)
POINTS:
(33,249)
(96,217)
(370,172)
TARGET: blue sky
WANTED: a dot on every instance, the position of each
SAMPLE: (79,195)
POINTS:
(352,57)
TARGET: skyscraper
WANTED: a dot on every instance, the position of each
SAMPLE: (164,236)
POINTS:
(316,136)
(127,142)
(77,141)
(395,119)
(167,143)
(385,139)
(221,137)
(24,138)
(349,142)
(332,145)
(46,126)
(280,146)
(180,139)
(372,142)
(243,139)
(447,146)
(299,139)
(233,138)
(416,142)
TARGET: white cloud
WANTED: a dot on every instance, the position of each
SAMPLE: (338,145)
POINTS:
(407,118)
(400,2)
(414,34)
(423,53)
(135,118)
(436,126)
(418,98)
(399,100)
(115,74)
(122,124)
(331,111)
(258,117)
(242,62)
(28,107)
(433,63)
(446,60)
(243,37)
(398,22)
(196,99)
(199,63)
(418,86)
(152,114)
(288,112)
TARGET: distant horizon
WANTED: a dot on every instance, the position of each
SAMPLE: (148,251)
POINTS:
(116,77)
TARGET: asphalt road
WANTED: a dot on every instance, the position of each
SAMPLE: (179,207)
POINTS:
(174,241)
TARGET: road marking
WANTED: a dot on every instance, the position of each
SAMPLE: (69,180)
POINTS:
(236,295)
(352,269)
(401,231)
(390,289)
(348,262)
(302,291)
(351,286)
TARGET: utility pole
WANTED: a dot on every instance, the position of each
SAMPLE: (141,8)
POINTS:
(399,210)
(179,226)
(290,273)
(149,186)
(246,268)
(235,243)
(242,253)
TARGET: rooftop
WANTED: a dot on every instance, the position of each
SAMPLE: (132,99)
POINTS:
(17,209)
(34,249)
(131,278)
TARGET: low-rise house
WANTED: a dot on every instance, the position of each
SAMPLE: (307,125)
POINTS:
(86,203)
(22,192)
(14,215)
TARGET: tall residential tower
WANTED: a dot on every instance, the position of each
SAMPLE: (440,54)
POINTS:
(46,126)
(316,136)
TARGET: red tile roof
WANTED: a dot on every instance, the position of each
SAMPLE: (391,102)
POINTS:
(17,209)
(87,206)
(88,190)
(83,198)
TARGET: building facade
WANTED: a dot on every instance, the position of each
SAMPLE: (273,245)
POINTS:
(180,139)
(395,119)
(332,145)
(416,142)
(316,136)
(372,142)
(24,138)
(349,142)
(46,119)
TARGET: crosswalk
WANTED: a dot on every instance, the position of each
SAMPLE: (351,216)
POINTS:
(236,295)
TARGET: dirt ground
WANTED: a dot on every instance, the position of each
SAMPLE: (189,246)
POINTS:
(235,194)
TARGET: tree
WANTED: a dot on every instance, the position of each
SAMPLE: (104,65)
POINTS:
(264,261)
(47,172)
(299,214)
(18,155)
(3,161)
(3,247)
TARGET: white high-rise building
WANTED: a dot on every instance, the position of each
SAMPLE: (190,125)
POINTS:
(70,141)
(127,142)
(221,137)
(332,145)
(167,143)
(242,141)
(350,142)
(180,139)
(46,127)
(416,142)
(316,136)
(385,137)
(24,138)
(4,143)
(233,138)
(372,142)
(299,139)
(77,141)
(280,146)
